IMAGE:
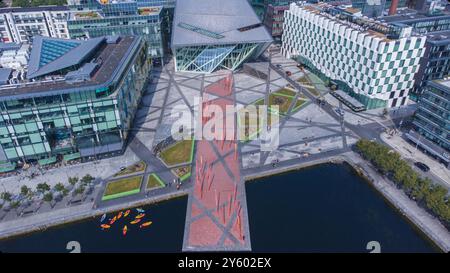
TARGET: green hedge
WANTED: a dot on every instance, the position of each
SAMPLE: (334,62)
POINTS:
(388,162)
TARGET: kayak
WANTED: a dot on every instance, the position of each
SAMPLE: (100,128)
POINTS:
(124,230)
(113,220)
(146,224)
(103,218)
(126,213)
(119,215)
(140,210)
(139,216)
(135,221)
(105,226)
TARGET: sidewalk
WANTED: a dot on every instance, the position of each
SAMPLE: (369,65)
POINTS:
(409,152)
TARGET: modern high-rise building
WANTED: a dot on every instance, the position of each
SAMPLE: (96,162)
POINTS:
(372,61)
(432,120)
(78,100)
(274,17)
(435,63)
(422,23)
(212,34)
(21,24)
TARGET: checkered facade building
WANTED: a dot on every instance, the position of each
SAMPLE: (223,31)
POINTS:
(377,70)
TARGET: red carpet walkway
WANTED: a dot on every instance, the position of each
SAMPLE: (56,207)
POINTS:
(217,210)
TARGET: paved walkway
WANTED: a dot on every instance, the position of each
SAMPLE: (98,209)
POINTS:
(217,210)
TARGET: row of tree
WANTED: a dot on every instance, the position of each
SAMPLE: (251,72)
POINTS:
(35,3)
(427,194)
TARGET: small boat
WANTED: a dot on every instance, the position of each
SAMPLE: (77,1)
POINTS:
(103,218)
(139,216)
(105,226)
(124,230)
(113,220)
(126,213)
(146,224)
(135,221)
(119,215)
(140,210)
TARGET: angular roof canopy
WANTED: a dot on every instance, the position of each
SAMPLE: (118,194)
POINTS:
(52,54)
(207,22)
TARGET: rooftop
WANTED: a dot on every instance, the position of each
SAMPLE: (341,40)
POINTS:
(109,57)
(444,82)
(413,17)
(439,37)
(206,22)
(52,54)
(30,9)
(352,19)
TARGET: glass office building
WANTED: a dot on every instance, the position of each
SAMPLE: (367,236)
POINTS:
(432,120)
(209,35)
(143,18)
(80,102)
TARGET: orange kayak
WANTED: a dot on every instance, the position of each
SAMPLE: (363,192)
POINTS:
(146,224)
(119,215)
(124,230)
(139,216)
(126,213)
(105,226)
(113,220)
(135,221)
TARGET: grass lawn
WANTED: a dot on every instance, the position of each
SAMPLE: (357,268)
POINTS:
(180,152)
(182,172)
(287,92)
(154,182)
(135,168)
(250,132)
(122,187)
(282,101)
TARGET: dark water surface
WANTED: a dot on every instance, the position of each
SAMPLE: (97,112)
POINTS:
(326,208)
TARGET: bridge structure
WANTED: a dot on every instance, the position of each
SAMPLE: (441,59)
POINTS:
(216,218)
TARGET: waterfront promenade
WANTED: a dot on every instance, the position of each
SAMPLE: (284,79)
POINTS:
(312,135)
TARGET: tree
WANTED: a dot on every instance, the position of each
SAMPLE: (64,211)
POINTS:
(79,190)
(87,179)
(59,187)
(48,197)
(15,204)
(423,186)
(65,192)
(42,187)
(73,180)
(6,196)
(24,190)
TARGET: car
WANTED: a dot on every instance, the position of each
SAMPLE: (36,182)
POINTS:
(422,166)
(339,111)
(278,65)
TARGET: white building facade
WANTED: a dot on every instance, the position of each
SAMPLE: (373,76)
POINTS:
(21,24)
(374,67)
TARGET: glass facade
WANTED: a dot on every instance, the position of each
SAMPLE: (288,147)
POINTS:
(432,118)
(209,58)
(436,62)
(85,123)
